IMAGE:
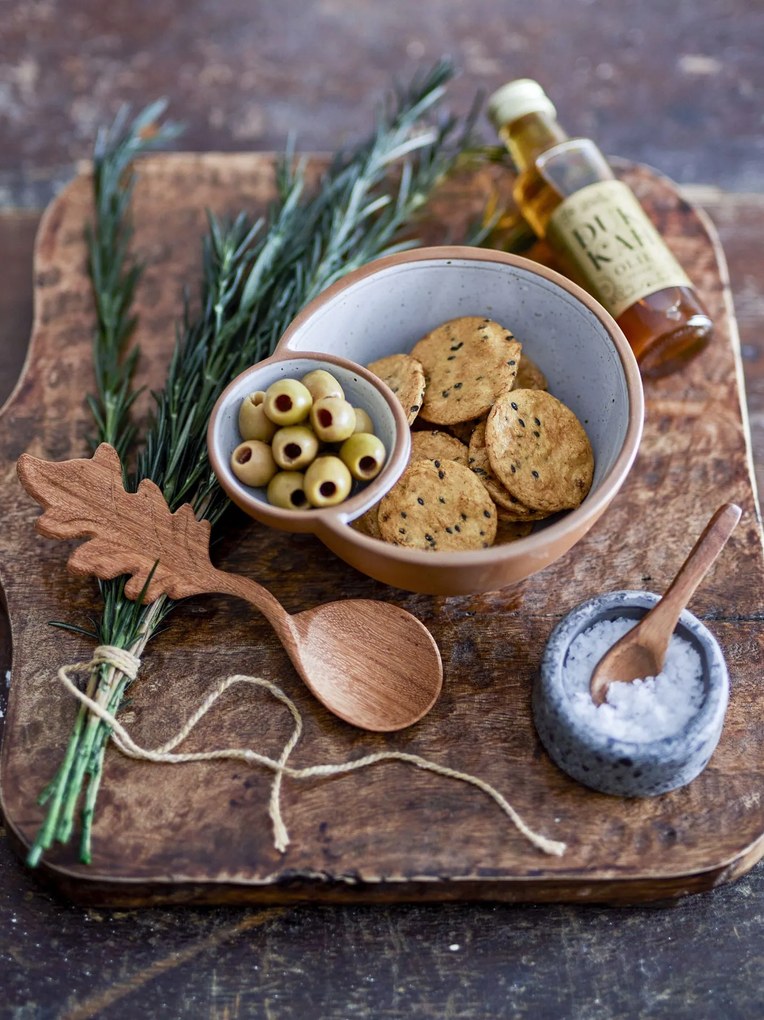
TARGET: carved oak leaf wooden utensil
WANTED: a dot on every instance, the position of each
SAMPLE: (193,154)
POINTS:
(642,651)
(371,663)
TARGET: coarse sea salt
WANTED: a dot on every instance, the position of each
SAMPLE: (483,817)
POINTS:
(641,711)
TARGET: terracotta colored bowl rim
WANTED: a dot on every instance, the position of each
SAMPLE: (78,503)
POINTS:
(594,503)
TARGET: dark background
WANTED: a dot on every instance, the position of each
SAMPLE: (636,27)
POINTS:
(676,85)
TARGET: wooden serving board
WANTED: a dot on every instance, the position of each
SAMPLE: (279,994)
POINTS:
(200,832)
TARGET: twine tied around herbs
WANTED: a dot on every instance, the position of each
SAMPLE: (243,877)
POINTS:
(128,664)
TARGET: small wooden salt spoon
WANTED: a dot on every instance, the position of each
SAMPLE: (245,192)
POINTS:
(370,663)
(642,651)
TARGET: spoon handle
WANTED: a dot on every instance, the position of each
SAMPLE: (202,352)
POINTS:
(663,618)
(225,583)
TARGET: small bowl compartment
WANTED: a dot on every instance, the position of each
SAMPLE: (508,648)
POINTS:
(361,390)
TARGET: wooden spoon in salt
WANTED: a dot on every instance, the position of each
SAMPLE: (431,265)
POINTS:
(642,651)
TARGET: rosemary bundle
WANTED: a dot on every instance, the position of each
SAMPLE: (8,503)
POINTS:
(256,275)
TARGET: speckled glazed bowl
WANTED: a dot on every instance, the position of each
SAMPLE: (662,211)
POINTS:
(627,768)
(384,308)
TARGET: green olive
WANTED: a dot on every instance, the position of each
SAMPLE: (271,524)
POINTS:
(294,447)
(333,419)
(253,423)
(322,384)
(252,462)
(327,482)
(287,402)
(363,422)
(287,490)
(364,456)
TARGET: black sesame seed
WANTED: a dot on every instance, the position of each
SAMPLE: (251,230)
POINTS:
(444,393)
(401,531)
(513,405)
(510,363)
(537,434)
(403,513)
(457,346)
(414,408)
(436,463)
(457,386)
(487,513)
(464,517)
(441,474)
(450,531)
(457,528)
(535,474)
(521,422)
(450,357)
(536,421)
(441,499)
(429,538)
(420,501)
(512,468)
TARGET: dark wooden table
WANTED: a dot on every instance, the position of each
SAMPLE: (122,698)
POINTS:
(677,91)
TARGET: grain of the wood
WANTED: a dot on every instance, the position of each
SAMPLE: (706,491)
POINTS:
(642,651)
(694,444)
(369,662)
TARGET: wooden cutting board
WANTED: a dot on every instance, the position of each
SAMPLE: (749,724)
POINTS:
(200,832)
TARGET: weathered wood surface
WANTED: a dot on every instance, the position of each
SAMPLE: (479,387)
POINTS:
(384,833)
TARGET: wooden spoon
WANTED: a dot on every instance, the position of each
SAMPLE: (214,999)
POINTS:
(370,663)
(642,651)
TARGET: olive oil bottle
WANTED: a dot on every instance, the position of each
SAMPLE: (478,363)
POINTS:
(569,195)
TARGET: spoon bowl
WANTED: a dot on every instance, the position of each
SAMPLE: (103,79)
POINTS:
(371,663)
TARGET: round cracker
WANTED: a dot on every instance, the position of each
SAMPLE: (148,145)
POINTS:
(405,377)
(539,450)
(434,445)
(438,508)
(368,523)
(467,363)
(530,376)
(508,530)
(510,506)
(463,429)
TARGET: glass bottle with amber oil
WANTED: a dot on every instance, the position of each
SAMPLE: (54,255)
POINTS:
(569,195)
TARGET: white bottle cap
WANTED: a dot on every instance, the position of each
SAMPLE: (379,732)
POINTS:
(516,99)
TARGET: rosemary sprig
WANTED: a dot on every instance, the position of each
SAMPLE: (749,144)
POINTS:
(256,277)
(114,272)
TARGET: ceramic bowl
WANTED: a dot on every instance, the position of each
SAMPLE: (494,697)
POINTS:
(384,308)
(627,768)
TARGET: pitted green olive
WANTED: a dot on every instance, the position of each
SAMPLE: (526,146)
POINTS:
(333,419)
(363,422)
(287,402)
(322,384)
(327,482)
(364,456)
(287,490)
(252,462)
(253,421)
(294,447)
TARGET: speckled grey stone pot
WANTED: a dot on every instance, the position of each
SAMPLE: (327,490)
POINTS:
(621,767)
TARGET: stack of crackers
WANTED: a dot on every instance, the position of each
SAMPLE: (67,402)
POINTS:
(492,451)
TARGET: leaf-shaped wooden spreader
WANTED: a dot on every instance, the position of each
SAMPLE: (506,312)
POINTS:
(371,663)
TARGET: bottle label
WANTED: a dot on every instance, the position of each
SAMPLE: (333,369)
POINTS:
(618,254)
